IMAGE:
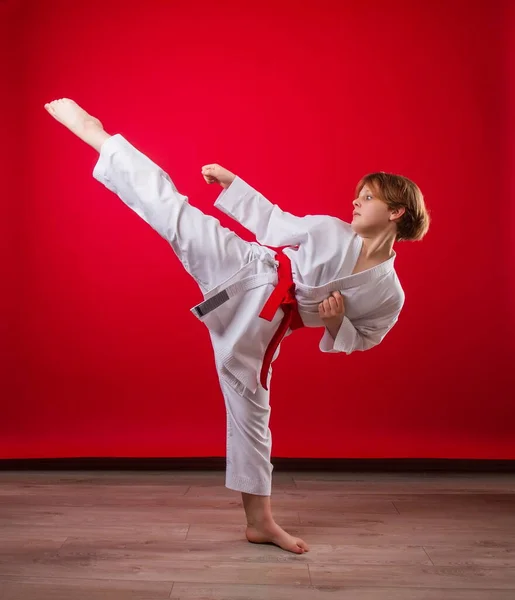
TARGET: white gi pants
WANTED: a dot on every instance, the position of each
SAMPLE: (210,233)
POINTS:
(211,254)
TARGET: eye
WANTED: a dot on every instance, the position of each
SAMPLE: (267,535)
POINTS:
(367,197)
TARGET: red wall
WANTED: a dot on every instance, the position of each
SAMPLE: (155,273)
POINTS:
(12,129)
(509,139)
(103,355)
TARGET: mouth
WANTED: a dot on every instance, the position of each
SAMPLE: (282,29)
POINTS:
(355,214)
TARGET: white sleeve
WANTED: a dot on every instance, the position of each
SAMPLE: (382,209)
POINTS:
(363,337)
(270,225)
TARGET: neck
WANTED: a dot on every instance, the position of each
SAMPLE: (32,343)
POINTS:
(378,247)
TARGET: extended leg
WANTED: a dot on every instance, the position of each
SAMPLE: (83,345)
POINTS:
(209,252)
(89,129)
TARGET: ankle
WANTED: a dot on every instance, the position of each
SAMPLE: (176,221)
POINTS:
(257,509)
(260,521)
(96,139)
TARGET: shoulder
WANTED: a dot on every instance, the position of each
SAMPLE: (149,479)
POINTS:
(344,226)
(331,224)
(346,232)
(398,296)
(332,220)
(390,293)
(398,282)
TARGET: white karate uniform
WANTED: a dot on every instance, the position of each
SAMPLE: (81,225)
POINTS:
(237,277)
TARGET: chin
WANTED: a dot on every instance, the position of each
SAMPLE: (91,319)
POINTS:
(355,227)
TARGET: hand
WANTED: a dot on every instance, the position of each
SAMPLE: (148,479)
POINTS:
(217,174)
(332,309)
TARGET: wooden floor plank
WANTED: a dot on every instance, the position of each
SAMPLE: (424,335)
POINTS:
(181,535)
(59,589)
(55,588)
(413,576)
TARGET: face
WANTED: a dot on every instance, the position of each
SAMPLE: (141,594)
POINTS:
(371,215)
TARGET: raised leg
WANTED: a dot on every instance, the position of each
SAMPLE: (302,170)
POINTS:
(89,129)
(209,252)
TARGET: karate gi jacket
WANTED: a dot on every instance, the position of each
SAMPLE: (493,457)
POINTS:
(327,252)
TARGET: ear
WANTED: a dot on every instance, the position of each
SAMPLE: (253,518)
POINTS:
(396,213)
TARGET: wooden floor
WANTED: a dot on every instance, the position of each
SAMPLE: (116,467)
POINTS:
(144,535)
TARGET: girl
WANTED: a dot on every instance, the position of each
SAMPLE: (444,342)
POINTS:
(312,271)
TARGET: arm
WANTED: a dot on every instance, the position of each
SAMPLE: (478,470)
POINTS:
(341,335)
(265,220)
(350,338)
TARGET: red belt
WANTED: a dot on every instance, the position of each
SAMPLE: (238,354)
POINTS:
(283,297)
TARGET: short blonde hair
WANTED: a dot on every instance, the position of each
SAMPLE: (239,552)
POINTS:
(398,191)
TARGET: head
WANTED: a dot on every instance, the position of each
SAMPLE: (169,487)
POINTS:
(387,202)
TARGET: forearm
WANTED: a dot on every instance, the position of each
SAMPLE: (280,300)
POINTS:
(349,338)
(333,326)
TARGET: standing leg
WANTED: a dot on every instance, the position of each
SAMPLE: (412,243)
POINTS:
(249,470)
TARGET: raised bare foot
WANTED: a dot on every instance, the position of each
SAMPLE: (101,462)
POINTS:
(217,174)
(76,119)
(271,533)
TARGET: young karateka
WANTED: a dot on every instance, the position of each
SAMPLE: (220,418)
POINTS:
(311,271)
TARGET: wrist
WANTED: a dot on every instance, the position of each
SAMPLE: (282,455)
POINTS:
(333,325)
(226,183)
(338,320)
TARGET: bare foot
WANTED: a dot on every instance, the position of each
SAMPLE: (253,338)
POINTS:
(77,120)
(217,174)
(271,533)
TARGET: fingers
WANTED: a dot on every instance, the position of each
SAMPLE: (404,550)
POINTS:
(211,170)
(328,308)
(339,300)
(332,306)
(208,173)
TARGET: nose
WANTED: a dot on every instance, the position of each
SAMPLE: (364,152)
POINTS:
(355,203)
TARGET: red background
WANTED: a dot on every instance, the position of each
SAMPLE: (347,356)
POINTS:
(101,356)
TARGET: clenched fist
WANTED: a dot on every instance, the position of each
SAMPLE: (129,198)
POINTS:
(217,174)
(332,309)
